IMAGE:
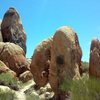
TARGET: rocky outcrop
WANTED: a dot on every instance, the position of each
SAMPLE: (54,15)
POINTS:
(12,29)
(0,32)
(26,76)
(94,63)
(14,57)
(65,59)
(40,62)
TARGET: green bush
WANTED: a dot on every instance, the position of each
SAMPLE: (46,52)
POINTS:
(85,66)
(8,80)
(83,89)
(7,95)
(32,97)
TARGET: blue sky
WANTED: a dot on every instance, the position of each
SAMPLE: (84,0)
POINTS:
(41,18)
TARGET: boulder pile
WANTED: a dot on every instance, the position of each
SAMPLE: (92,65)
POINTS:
(54,60)
(13,46)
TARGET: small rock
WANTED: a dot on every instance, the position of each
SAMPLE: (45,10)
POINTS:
(26,76)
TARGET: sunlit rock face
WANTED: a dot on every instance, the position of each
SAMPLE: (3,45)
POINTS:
(40,62)
(12,29)
(65,59)
(94,63)
(13,57)
(0,32)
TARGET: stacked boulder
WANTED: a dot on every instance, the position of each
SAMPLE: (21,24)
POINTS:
(12,29)
(13,46)
(94,63)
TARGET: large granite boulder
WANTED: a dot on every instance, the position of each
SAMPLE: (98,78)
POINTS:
(94,63)
(40,62)
(14,57)
(0,32)
(65,59)
(12,29)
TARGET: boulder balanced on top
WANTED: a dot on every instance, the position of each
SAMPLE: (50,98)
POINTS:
(12,29)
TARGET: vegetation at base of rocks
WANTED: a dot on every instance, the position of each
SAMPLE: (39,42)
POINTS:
(32,97)
(7,95)
(22,85)
(85,66)
(66,85)
(83,89)
(8,80)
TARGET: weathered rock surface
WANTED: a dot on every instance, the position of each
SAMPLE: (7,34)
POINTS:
(28,62)
(3,67)
(0,32)
(12,29)
(14,57)
(40,62)
(94,63)
(65,59)
(26,76)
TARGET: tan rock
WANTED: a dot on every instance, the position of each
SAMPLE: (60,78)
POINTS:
(40,62)
(3,67)
(65,59)
(94,63)
(14,57)
(0,32)
(26,76)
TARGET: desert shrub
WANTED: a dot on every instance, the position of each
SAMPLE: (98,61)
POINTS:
(66,85)
(85,66)
(7,77)
(32,97)
(83,89)
(7,95)
(8,80)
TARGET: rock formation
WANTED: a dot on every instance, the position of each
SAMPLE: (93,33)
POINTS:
(94,64)
(0,32)
(14,57)
(12,29)
(40,62)
(65,59)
